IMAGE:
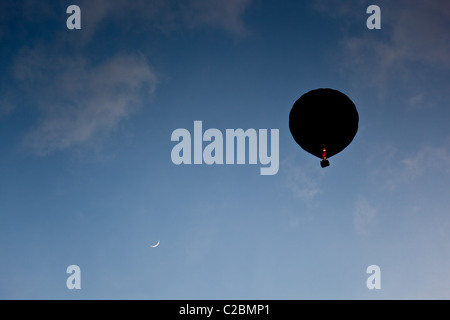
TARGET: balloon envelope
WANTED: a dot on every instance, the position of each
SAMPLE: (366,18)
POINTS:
(323,122)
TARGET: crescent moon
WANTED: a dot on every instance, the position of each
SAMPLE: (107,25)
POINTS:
(154,246)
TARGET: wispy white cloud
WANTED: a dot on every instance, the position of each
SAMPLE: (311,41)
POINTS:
(338,9)
(300,181)
(223,14)
(420,32)
(412,47)
(394,170)
(6,106)
(168,15)
(364,215)
(426,160)
(78,100)
(418,101)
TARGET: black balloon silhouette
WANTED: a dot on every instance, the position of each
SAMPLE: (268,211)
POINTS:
(323,122)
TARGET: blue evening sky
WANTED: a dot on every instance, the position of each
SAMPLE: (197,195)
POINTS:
(86,176)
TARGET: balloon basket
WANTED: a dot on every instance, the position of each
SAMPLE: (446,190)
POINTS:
(324,163)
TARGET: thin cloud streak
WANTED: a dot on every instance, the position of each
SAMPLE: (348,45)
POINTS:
(396,172)
(299,181)
(364,215)
(169,15)
(414,36)
(78,100)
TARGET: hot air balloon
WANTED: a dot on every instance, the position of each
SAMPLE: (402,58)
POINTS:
(323,122)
